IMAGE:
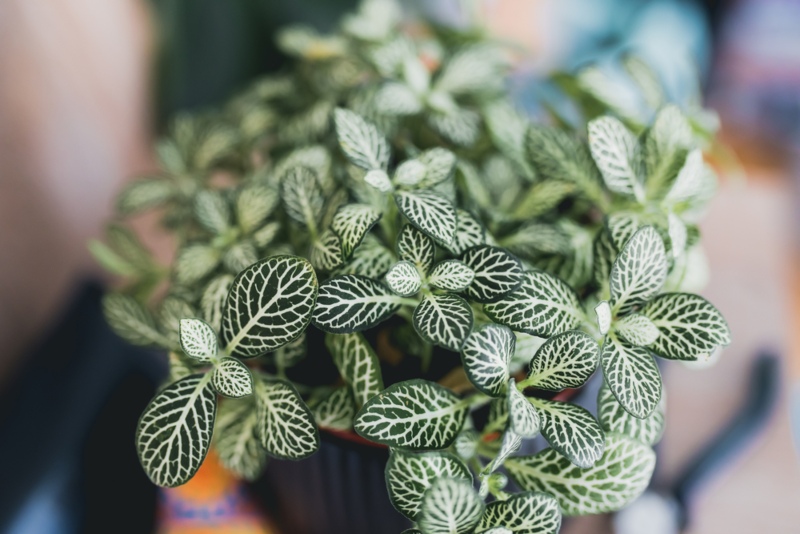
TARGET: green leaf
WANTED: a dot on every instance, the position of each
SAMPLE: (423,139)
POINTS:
(614,418)
(450,506)
(691,328)
(394,98)
(533,239)
(639,271)
(287,426)
(524,513)
(619,477)
(637,330)
(198,340)
(415,414)
(510,443)
(254,204)
(497,273)
(439,166)
(474,68)
(689,183)
(326,252)
(540,198)
(269,305)
(444,320)
(336,411)
(507,128)
(409,475)
(212,303)
(264,236)
(404,279)
(616,152)
(416,247)
(232,378)
(523,418)
(603,313)
(622,226)
(665,147)
(132,322)
(632,375)
(110,260)
(646,80)
(361,141)
(212,211)
(351,223)
(302,196)
(170,313)
(174,432)
(357,363)
(240,256)
(290,354)
(409,173)
(542,306)
(144,194)
(564,361)
(459,125)
(430,212)
(378,179)
(469,233)
(571,430)
(195,262)
(236,439)
(371,259)
(451,275)
(678,234)
(486,356)
(353,303)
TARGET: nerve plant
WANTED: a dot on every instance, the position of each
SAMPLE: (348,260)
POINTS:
(384,188)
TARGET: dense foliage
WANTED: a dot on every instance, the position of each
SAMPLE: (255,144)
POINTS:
(386,175)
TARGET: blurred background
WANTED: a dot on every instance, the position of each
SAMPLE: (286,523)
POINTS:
(86,87)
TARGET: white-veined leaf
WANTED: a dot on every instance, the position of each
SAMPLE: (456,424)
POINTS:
(374,20)
(409,173)
(430,212)
(486,356)
(253,204)
(444,320)
(533,239)
(212,211)
(542,306)
(232,378)
(212,303)
(302,196)
(689,181)
(450,506)
(528,512)
(378,179)
(639,271)
(497,273)
(469,233)
(198,340)
(508,127)
(336,411)
(195,262)
(620,476)
(691,327)
(614,418)
(357,363)
(415,414)
(564,361)
(240,256)
(509,444)
(269,305)
(290,354)
(416,247)
(678,234)
(174,432)
(571,430)
(395,98)
(616,152)
(351,223)
(451,275)
(665,147)
(352,303)
(287,426)
(603,313)
(236,439)
(637,329)
(264,236)
(404,279)
(459,125)
(361,141)
(632,375)
(371,259)
(645,79)
(523,418)
(475,68)
(145,194)
(540,198)
(622,226)
(172,309)
(409,475)
(326,252)
(131,321)
(439,166)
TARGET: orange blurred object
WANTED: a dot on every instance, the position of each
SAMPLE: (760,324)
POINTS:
(213,501)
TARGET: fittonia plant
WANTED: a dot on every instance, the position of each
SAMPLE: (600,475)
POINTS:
(387,175)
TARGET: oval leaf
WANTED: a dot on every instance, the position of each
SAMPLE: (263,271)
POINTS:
(451,275)
(444,320)
(404,279)
(352,303)
(615,150)
(351,223)
(236,439)
(639,271)
(637,330)
(415,414)
(361,141)
(270,304)
(497,273)
(416,247)
(614,418)
(287,426)
(632,375)
(430,212)
(529,512)
(232,378)
(572,431)
(564,361)
(198,339)
(450,506)
(302,195)
(523,417)
(469,233)
(336,411)
(486,355)
(357,363)
(174,432)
